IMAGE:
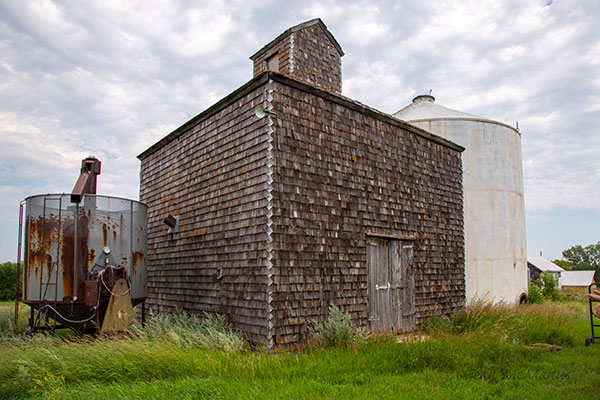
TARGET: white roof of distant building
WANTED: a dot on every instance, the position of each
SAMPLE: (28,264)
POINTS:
(577,278)
(543,264)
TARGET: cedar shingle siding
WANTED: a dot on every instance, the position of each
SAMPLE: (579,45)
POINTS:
(308,53)
(276,213)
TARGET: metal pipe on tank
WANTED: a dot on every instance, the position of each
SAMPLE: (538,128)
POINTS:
(130,260)
(75,231)
(19,243)
(59,237)
(41,252)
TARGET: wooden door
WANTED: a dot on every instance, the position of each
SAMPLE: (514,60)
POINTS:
(390,285)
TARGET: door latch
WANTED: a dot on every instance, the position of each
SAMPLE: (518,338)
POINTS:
(384,287)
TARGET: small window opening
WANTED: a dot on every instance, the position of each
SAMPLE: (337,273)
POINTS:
(272,63)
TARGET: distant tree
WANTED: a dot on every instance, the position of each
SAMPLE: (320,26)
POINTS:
(583,258)
(563,264)
(8,276)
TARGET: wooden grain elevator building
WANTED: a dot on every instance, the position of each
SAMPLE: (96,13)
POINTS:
(311,199)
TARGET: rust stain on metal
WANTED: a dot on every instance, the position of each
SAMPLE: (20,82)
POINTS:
(82,253)
(122,232)
(42,234)
(137,257)
(114,234)
(104,234)
(69,260)
(26,264)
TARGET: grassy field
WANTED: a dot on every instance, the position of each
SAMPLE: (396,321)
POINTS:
(481,353)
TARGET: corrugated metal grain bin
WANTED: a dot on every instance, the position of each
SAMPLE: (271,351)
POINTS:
(495,242)
(75,252)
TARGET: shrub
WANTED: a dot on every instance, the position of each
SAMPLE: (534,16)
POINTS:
(549,285)
(8,276)
(337,331)
(535,294)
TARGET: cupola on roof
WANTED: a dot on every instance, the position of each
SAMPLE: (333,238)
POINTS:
(306,52)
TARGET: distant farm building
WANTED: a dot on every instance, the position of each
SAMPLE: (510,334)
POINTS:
(576,281)
(538,265)
(285,197)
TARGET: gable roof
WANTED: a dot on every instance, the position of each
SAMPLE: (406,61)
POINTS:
(577,278)
(543,264)
(304,25)
(336,98)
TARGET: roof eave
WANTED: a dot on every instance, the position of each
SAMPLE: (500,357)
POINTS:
(353,104)
(224,102)
(263,78)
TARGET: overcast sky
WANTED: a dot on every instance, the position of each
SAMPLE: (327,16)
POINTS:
(110,78)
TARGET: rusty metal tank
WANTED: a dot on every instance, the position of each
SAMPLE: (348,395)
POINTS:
(69,245)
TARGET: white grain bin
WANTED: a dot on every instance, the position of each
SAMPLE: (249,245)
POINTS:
(495,243)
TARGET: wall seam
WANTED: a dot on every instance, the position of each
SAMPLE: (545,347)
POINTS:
(292,53)
(270,161)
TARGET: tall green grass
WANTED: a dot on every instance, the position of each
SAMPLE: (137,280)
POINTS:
(8,329)
(479,353)
(522,324)
(209,331)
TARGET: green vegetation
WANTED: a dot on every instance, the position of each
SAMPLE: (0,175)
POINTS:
(8,280)
(525,324)
(187,330)
(8,329)
(549,286)
(337,331)
(483,351)
(581,258)
(544,288)
(535,293)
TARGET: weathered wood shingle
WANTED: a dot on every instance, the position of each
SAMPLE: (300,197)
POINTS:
(213,177)
(343,174)
(337,172)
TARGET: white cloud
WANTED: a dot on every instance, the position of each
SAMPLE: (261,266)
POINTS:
(111,78)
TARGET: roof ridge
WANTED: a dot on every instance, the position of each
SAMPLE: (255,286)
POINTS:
(296,28)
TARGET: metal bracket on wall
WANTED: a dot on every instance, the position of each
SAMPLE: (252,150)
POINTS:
(173,223)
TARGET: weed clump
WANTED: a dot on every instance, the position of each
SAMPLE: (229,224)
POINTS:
(436,324)
(337,331)
(8,329)
(211,331)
